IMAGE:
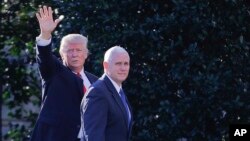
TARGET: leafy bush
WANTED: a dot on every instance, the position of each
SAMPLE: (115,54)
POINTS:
(189,75)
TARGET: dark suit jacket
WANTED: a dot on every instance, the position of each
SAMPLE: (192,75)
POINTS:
(59,118)
(103,114)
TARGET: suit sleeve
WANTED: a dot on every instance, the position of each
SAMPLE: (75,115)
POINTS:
(47,62)
(95,112)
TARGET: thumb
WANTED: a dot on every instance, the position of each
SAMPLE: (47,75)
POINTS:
(59,19)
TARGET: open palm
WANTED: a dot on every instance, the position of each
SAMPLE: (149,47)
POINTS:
(46,21)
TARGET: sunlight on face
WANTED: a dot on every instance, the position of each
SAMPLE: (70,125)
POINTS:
(74,56)
(118,67)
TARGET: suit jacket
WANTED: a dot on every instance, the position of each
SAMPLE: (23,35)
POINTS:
(104,117)
(59,118)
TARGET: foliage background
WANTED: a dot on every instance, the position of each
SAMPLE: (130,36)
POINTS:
(189,75)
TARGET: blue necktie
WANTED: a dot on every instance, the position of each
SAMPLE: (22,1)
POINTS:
(123,98)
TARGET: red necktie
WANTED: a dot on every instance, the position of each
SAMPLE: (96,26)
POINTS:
(84,89)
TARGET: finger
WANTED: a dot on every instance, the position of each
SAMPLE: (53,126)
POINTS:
(41,12)
(45,10)
(61,17)
(50,12)
(57,21)
(38,17)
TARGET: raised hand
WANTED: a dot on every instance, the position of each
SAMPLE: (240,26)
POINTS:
(46,22)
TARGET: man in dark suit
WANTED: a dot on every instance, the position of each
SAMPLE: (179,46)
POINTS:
(63,83)
(106,113)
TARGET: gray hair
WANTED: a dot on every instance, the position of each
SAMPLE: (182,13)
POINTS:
(109,54)
(72,39)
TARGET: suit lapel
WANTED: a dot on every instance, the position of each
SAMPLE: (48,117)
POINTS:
(78,83)
(78,80)
(89,77)
(116,97)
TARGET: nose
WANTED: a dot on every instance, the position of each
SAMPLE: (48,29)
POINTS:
(74,53)
(123,67)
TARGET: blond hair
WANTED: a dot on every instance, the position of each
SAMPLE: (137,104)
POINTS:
(72,39)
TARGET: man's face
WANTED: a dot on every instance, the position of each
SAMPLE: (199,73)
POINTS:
(118,67)
(74,56)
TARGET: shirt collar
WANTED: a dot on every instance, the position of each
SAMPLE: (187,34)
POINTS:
(117,87)
(81,72)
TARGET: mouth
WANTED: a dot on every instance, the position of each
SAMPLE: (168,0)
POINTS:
(74,61)
(122,74)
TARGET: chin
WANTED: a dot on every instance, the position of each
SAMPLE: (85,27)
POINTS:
(121,80)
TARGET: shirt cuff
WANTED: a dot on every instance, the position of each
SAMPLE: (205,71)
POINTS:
(42,42)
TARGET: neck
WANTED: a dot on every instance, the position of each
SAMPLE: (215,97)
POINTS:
(118,83)
(77,70)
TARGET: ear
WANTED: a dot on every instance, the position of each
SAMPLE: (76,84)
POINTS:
(86,55)
(105,65)
(61,54)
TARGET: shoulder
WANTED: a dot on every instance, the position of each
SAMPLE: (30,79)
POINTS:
(98,87)
(90,75)
(97,92)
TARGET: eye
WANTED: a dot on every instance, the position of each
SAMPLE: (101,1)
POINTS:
(69,50)
(126,63)
(118,63)
(79,50)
